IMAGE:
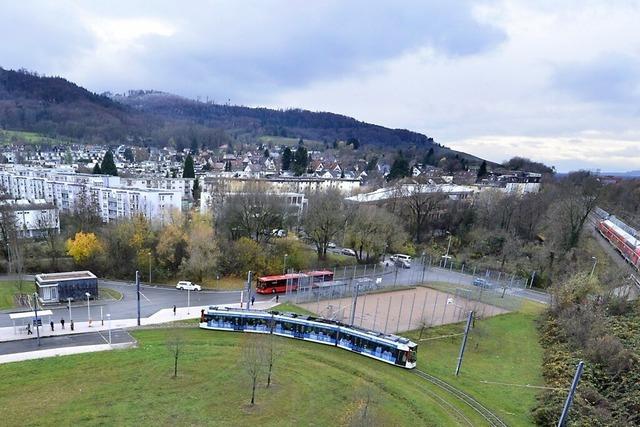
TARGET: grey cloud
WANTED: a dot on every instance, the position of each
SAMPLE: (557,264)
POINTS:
(40,36)
(613,79)
(248,50)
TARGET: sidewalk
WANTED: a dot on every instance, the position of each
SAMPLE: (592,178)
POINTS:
(163,316)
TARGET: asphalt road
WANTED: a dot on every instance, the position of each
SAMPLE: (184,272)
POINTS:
(118,336)
(155,298)
(152,299)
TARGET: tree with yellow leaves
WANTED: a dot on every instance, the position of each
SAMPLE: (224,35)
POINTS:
(84,247)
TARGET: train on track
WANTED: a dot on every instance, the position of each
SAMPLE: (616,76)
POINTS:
(625,243)
(391,349)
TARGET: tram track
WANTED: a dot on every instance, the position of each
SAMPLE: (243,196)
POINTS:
(491,418)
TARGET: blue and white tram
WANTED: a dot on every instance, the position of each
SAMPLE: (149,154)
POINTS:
(391,349)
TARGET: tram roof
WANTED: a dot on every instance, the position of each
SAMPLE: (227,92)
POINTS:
(294,316)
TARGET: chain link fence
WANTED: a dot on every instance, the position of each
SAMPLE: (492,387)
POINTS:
(458,287)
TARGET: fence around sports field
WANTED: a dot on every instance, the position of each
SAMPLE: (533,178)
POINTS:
(453,280)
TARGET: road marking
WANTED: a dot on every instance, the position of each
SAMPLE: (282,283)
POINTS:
(102,336)
(145,297)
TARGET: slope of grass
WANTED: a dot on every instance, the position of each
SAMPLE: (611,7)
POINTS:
(292,308)
(9,288)
(15,136)
(502,357)
(313,385)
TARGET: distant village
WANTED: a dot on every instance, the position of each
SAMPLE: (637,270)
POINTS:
(37,185)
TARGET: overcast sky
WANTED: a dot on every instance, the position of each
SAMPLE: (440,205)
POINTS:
(555,81)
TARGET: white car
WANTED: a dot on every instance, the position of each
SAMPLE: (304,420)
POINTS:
(331,245)
(188,286)
(348,252)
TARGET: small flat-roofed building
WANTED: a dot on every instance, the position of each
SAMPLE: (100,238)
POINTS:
(56,287)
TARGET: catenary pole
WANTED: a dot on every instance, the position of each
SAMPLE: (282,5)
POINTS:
(35,309)
(464,342)
(567,404)
(138,293)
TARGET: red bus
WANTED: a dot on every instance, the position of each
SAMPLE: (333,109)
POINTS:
(291,281)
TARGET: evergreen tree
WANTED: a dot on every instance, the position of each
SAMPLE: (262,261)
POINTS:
(482,171)
(266,153)
(108,167)
(354,142)
(196,190)
(188,171)
(300,161)
(429,158)
(96,169)
(286,159)
(128,155)
(399,168)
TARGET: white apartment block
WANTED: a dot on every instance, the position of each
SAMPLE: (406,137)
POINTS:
(307,185)
(213,202)
(106,194)
(33,219)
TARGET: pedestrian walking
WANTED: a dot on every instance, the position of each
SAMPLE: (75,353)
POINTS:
(174,311)
(72,324)
(253,300)
(62,323)
(29,331)
(51,323)
(277,298)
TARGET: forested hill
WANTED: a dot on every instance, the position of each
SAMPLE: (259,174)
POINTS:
(56,107)
(295,123)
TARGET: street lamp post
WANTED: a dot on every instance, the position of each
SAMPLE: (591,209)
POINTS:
(595,261)
(149,267)
(284,268)
(447,256)
(109,321)
(35,309)
(69,305)
(88,308)
(188,300)
(9,257)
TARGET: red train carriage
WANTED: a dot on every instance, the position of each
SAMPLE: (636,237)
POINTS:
(625,243)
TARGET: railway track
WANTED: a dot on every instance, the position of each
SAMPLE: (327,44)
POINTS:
(491,418)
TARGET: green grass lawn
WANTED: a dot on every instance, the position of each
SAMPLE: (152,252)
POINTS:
(503,349)
(313,385)
(9,288)
(11,136)
(292,308)
(110,293)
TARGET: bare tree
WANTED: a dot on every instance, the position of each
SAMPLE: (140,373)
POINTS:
(10,231)
(325,219)
(254,213)
(272,352)
(419,204)
(47,223)
(252,359)
(370,230)
(367,413)
(175,344)
(577,196)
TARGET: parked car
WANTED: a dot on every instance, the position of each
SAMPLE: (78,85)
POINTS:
(188,286)
(331,245)
(348,252)
(479,281)
(278,232)
(401,260)
(402,263)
